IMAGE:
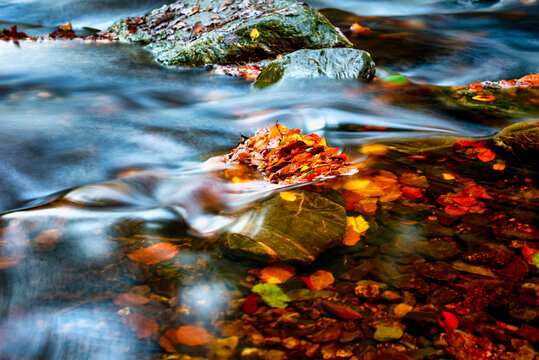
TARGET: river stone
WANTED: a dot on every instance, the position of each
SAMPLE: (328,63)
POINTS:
(334,63)
(279,230)
(201,32)
(520,139)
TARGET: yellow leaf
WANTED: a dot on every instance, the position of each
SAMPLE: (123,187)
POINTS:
(288,196)
(254,34)
(304,168)
(66,27)
(358,223)
(448,176)
(357,184)
(374,149)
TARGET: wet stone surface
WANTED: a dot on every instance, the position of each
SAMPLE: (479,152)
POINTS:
(197,33)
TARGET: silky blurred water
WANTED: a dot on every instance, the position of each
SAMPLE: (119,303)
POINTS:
(76,116)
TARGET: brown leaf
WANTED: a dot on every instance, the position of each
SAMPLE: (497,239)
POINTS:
(154,254)
(144,327)
(192,335)
(130,299)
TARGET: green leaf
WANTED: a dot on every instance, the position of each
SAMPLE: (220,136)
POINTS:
(272,295)
(396,79)
(535,259)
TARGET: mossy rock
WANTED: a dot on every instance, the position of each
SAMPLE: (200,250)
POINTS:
(291,229)
(520,139)
(201,32)
(333,63)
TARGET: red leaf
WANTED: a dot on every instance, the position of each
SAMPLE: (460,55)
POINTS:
(144,327)
(450,320)
(464,200)
(527,253)
(250,304)
(455,210)
(411,193)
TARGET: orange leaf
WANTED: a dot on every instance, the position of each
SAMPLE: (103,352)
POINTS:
(411,193)
(476,191)
(359,30)
(351,237)
(276,274)
(154,254)
(464,142)
(455,210)
(485,98)
(486,155)
(144,327)
(464,200)
(321,279)
(130,299)
(192,335)
(532,78)
(499,166)
(167,343)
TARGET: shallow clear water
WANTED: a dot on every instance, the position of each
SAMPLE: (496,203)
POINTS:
(110,140)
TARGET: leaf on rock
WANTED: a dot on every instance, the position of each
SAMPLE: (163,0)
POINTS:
(154,254)
(272,295)
(485,98)
(277,273)
(254,34)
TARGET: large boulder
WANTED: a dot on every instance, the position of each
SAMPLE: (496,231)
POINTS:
(201,32)
(521,139)
(292,228)
(334,63)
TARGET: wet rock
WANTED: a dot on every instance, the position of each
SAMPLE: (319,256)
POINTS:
(341,311)
(279,230)
(523,312)
(529,293)
(473,269)
(334,63)
(385,333)
(529,332)
(437,271)
(369,290)
(437,249)
(516,270)
(390,296)
(200,32)
(402,309)
(502,288)
(442,296)
(489,254)
(408,282)
(520,139)
(223,349)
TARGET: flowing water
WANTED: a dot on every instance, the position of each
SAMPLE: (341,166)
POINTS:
(102,150)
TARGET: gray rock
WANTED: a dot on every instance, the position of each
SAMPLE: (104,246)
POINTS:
(201,32)
(279,230)
(334,63)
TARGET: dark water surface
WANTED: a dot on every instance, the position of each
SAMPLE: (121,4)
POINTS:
(102,149)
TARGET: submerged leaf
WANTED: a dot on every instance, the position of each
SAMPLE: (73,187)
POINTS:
(320,280)
(272,295)
(192,335)
(154,254)
(276,274)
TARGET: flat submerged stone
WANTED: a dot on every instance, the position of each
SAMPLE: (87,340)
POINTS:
(201,32)
(280,230)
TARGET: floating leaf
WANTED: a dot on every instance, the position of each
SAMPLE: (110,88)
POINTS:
(288,196)
(272,295)
(154,254)
(485,98)
(395,79)
(320,280)
(359,30)
(277,274)
(254,34)
(192,335)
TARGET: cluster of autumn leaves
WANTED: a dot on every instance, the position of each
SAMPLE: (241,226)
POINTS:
(525,82)
(287,157)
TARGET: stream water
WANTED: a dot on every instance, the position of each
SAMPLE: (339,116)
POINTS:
(102,149)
